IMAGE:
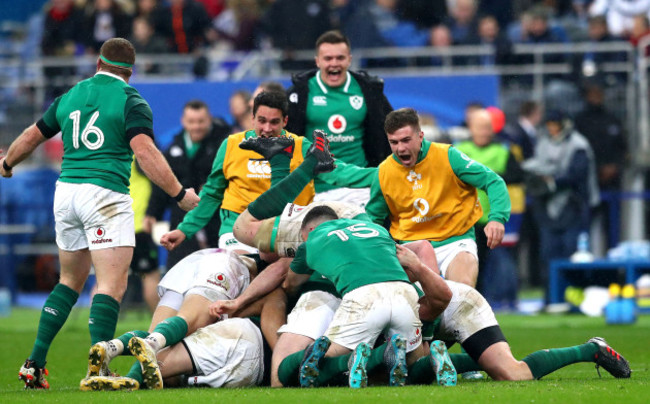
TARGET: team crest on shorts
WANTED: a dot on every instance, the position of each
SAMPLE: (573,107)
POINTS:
(356,102)
(219,279)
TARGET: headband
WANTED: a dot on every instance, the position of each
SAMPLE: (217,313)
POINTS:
(110,62)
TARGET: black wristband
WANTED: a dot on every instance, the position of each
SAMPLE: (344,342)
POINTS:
(180,195)
(6,166)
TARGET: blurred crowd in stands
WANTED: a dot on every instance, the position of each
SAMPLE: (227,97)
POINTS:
(73,27)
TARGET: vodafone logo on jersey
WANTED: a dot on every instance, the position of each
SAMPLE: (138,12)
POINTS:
(337,124)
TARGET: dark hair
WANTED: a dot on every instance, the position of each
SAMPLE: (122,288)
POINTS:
(272,99)
(332,37)
(528,108)
(196,104)
(322,213)
(117,50)
(272,86)
(400,118)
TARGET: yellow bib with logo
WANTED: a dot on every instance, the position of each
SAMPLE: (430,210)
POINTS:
(249,175)
(428,201)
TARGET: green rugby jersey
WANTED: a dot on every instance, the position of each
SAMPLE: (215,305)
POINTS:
(351,253)
(340,112)
(97,118)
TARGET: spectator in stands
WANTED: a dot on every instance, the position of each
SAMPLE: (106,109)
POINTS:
(440,40)
(462,21)
(104,19)
(523,133)
(349,106)
(147,9)
(236,25)
(503,11)
(489,33)
(564,187)
(184,24)
(619,13)
(640,30)
(499,283)
(589,64)
(146,42)
(62,36)
(190,157)
(240,110)
(295,25)
(606,136)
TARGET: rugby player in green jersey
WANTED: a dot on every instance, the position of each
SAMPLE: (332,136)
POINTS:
(103,122)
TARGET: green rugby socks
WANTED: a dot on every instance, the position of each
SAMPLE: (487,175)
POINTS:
(464,363)
(280,168)
(547,361)
(104,311)
(54,314)
(168,332)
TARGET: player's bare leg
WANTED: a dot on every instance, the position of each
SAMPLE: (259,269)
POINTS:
(463,269)
(287,344)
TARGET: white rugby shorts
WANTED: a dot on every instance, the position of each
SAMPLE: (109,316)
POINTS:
(312,314)
(446,253)
(93,217)
(467,313)
(229,353)
(355,196)
(368,311)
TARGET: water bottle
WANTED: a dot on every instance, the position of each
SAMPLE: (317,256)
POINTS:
(628,305)
(5,302)
(582,253)
(613,308)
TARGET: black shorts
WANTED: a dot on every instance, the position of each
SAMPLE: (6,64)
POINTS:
(145,254)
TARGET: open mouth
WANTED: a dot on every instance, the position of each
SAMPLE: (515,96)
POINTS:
(405,159)
(334,74)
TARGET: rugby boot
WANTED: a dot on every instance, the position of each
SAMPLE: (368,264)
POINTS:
(33,376)
(145,354)
(269,146)
(612,361)
(98,360)
(442,366)
(108,383)
(320,149)
(395,360)
(309,368)
(358,376)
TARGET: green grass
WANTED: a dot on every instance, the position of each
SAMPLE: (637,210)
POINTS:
(575,384)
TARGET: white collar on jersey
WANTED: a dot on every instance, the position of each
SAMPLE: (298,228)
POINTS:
(110,74)
(345,87)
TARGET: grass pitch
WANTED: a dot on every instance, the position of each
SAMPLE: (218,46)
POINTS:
(574,384)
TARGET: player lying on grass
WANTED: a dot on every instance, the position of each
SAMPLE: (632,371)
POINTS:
(186,292)
(470,321)
(272,203)
(229,353)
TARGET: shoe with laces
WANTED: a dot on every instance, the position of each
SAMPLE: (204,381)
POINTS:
(108,383)
(269,146)
(145,354)
(442,366)
(610,360)
(358,376)
(309,368)
(320,150)
(33,376)
(395,360)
